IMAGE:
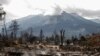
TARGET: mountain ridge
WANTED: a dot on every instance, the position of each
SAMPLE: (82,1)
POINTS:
(73,24)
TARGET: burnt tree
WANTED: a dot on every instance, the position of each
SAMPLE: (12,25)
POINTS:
(41,36)
(14,27)
(62,36)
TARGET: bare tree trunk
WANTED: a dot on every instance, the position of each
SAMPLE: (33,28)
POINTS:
(5,26)
(62,33)
(41,36)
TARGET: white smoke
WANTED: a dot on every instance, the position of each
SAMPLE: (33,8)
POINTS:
(4,1)
(57,10)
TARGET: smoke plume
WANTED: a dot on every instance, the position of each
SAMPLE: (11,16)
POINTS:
(4,1)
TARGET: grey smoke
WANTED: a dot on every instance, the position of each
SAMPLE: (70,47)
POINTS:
(4,1)
(84,12)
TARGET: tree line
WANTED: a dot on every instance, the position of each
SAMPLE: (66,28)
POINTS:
(23,37)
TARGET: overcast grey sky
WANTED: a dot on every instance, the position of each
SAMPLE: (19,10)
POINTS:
(22,8)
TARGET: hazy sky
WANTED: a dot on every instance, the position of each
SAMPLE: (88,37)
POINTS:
(22,8)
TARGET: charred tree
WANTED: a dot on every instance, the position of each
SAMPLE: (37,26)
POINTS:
(62,36)
(14,27)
